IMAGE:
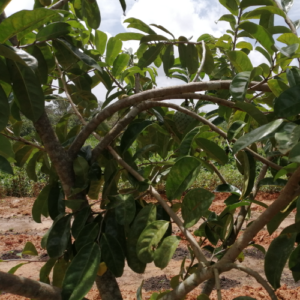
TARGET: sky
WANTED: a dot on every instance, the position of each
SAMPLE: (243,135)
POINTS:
(181,17)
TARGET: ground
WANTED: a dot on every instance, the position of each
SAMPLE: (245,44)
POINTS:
(17,227)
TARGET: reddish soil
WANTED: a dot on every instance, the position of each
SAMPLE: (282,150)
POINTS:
(17,227)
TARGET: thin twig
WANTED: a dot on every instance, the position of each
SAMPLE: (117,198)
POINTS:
(196,248)
(258,278)
(218,285)
(202,62)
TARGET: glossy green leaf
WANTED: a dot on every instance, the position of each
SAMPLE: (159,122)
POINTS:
(288,104)
(260,34)
(81,273)
(264,53)
(80,219)
(120,63)
(195,205)
(103,76)
(24,22)
(185,146)
(294,155)
(235,129)
(294,263)
(149,239)
(256,135)
(290,168)
(112,254)
(150,55)
(59,236)
(293,76)
(231,5)
(277,86)
(132,132)
(247,3)
(287,5)
(27,90)
(287,137)
(30,249)
(87,235)
(46,269)
(87,60)
(182,176)
(240,61)
(40,205)
(165,251)
(249,173)
(53,30)
(227,188)
(125,212)
(271,181)
(239,86)
(6,149)
(168,58)
(129,36)
(262,10)
(276,258)
(213,150)
(100,41)
(253,111)
(113,49)
(15,268)
(91,13)
(5,166)
(140,25)
(145,217)
(290,50)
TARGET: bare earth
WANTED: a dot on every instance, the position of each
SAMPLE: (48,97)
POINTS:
(17,227)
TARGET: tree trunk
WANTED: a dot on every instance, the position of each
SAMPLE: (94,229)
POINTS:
(108,287)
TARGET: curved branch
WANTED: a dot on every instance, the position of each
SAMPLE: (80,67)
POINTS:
(195,246)
(146,95)
(258,278)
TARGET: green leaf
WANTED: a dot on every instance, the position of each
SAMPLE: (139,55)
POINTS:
(247,3)
(22,155)
(80,219)
(87,235)
(149,240)
(288,103)
(6,149)
(153,37)
(228,188)
(165,251)
(279,217)
(182,176)
(271,181)
(185,146)
(287,137)
(55,201)
(138,24)
(59,236)
(285,170)
(294,155)
(294,263)
(139,295)
(113,49)
(59,272)
(150,55)
(145,217)
(163,29)
(279,251)
(293,76)
(3,4)
(87,60)
(100,41)
(290,50)
(213,150)
(112,254)
(120,63)
(53,30)
(231,5)
(29,249)
(239,86)
(235,129)
(123,4)
(25,21)
(15,268)
(5,166)
(125,212)
(27,90)
(258,12)
(253,111)
(260,34)
(132,132)
(46,269)
(81,273)
(18,55)
(240,61)
(40,205)
(103,76)
(91,13)
(195,205)
(168,58)
(249,165)
(129,36)
(4,109)
(256,135)
(264,53)
(277,86)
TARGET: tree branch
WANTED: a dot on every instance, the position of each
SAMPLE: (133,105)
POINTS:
(28,288)
(59,4)
(146,95)
(218,285)
(171,213)
(258,278)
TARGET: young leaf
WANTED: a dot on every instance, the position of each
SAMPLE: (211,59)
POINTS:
(149,240)
(81,273)
(120,63)
(100,41)
(182,176)
(165,251)
(113,49)
(276,258)
(29,249)
(15,268)
(195,204)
